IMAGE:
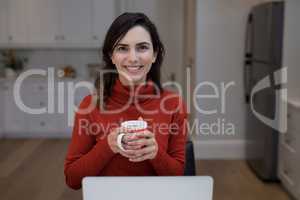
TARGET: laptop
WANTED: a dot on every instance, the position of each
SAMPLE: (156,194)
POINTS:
(148,188)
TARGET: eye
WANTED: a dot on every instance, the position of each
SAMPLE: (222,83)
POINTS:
(121,49)
(143,47)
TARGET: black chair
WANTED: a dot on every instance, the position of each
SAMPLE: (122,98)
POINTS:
(189,168)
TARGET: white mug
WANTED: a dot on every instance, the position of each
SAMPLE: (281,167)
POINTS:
(131,126)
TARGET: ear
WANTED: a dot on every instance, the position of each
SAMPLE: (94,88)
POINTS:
(154,57)
(112,59)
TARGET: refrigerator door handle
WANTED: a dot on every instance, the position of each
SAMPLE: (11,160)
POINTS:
(249,38)
(247,83)
(248,57)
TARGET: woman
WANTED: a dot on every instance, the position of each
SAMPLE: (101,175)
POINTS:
(133,49)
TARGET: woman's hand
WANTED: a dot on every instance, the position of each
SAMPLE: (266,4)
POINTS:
(112,139)
(113,143)
(140,146)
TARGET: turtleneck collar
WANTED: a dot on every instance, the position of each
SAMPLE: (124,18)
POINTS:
(123,94)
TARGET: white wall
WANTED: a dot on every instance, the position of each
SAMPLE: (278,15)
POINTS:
(291,53)
(219,58)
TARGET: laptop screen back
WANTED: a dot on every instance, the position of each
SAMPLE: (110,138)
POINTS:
(148,188)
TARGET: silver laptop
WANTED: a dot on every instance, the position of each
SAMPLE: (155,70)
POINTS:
(148,188)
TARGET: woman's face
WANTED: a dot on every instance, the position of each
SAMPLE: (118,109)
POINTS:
(133,56)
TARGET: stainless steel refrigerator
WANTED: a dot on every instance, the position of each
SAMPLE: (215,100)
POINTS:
(263,56)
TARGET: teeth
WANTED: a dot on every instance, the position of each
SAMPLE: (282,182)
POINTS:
(133,67)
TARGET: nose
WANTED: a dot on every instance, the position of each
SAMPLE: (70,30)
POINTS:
(132,56)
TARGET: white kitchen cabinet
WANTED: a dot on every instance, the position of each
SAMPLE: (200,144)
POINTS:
(18,12)
(85,23)
(34,94)
(67,117)
(14,118)
(44,21)
(43,125)
(289,153)
(60,23)
(103,14)
(76,22)
(55,23)
(4,33)
(13,23)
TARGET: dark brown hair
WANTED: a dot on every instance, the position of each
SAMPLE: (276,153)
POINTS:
(115,33)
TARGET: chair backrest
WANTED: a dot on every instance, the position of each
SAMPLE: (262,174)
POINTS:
(190,166)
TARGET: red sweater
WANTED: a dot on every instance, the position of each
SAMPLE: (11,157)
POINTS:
(90,155)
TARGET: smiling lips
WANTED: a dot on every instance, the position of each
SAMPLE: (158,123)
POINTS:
(134,69)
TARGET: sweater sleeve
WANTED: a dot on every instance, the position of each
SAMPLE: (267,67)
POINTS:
(85,156)
(171,161)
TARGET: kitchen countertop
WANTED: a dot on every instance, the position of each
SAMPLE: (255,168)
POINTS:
(41,78)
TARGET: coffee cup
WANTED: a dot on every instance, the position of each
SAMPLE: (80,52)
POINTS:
(134,125)
(131,126)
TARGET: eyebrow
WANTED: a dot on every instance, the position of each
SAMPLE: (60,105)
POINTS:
(140,43)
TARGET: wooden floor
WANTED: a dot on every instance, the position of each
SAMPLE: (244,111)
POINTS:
(33,169)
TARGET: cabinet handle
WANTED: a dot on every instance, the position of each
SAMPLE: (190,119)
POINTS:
(41,88)
(42,123)
(10,38)
(95,37)
(289,115)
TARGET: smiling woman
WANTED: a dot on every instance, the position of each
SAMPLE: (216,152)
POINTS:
(132,42)
(101,145)
(134,55)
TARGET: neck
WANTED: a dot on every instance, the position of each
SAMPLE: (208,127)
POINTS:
(127,82)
